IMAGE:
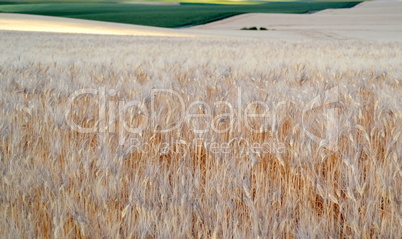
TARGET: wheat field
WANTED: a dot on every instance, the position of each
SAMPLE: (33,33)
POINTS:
(207,177)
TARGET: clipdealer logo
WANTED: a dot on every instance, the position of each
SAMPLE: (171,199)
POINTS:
(235,117)
(327,101)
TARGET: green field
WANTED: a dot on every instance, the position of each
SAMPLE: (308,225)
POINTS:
(163,16)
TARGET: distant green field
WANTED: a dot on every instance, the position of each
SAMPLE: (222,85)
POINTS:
(163,16)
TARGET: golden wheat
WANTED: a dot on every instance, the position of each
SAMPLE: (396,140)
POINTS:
(57,182)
